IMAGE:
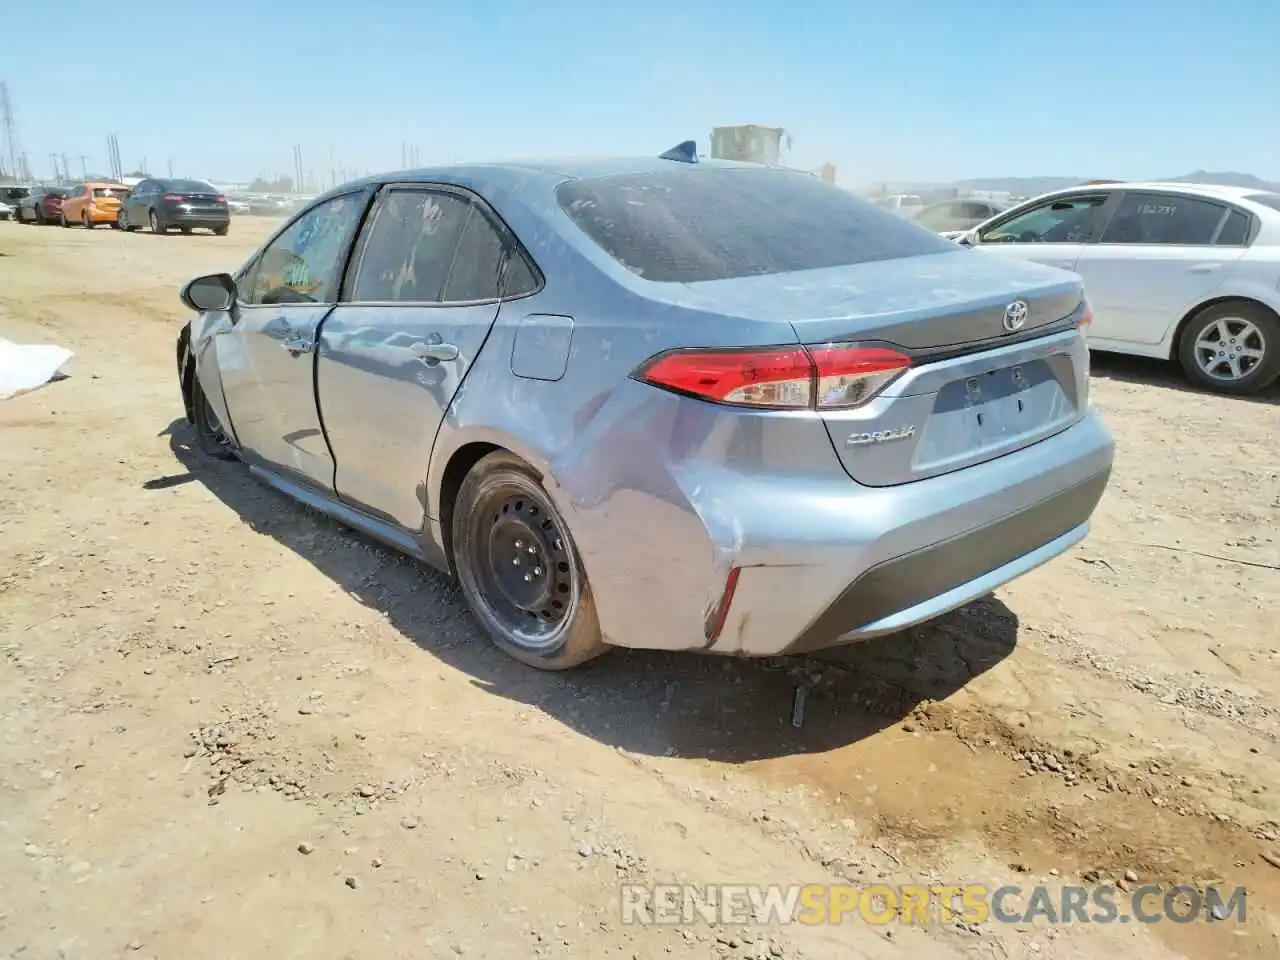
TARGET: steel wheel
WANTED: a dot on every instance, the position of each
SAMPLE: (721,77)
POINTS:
(1232,347)
(518,567)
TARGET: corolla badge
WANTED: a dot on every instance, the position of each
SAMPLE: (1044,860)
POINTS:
(880,436)
(1015,315)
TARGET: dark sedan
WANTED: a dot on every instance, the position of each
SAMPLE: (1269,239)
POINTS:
(41,205)
(161,205)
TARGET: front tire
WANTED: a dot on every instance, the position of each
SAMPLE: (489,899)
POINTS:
(1232,347)
(85,221)
(519,569)
(210,437)
(62,219)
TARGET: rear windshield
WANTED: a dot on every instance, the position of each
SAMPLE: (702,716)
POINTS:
(188,186)
(54,192)
(110,191)
(687,225)
(1271,200)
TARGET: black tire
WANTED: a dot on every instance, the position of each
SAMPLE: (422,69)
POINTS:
(502,516)
(220,231)
(85,221)
(210,438)
(154,222)
(1259,330)
(62,219)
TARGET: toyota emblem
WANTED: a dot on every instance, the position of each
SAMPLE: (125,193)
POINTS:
(1015,315)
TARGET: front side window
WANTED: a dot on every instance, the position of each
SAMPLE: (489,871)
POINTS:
(1164,218)
(304,263)
(1063,220)
(408,248)
(691,224)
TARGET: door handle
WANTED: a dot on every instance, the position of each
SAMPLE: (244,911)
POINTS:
(434,352)
(1205,267)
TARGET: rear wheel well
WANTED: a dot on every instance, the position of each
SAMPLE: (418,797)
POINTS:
(460,464)
(1201,307)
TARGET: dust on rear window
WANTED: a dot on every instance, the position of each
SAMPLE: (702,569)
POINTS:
(689,225)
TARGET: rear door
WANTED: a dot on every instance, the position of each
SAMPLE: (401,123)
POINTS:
(1051,231)
(267,358)
(1159,256)
(421,295)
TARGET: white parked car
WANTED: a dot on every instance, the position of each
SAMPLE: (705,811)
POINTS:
(1179,271)
(6,211)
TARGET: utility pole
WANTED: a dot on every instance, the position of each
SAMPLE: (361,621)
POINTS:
(170,168)
(66,167)
(84,166)
(9,127)
(57,174)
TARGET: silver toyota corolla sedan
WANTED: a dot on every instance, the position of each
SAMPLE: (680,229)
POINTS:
(662,403)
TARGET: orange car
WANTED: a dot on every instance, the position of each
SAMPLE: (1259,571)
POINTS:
(92,203)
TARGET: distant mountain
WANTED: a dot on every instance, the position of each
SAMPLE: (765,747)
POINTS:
(1033,186)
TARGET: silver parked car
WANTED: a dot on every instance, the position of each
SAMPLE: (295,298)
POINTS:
(657,403)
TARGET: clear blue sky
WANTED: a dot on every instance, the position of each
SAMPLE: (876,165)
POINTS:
(906,90)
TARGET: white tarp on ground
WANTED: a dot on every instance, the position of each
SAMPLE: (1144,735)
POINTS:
(25,367)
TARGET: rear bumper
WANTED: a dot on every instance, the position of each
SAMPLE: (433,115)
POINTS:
(666,502)
(876,561)
(195,218)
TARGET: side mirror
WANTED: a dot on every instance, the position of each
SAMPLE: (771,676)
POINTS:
(968,239)
(210,294)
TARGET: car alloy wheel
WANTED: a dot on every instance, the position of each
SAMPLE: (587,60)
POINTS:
(154,222)
(1229,348)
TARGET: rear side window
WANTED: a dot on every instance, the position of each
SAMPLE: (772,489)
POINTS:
(409,247)
(1164,218)
(477,266)
(1235,232)
(689,225)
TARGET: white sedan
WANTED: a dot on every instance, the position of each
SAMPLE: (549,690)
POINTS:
(1178,271)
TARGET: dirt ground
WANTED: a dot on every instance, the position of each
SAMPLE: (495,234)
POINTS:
(230,728)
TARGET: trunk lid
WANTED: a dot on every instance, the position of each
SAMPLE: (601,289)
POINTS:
(975,391)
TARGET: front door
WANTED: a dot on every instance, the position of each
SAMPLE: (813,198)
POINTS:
(267,360)
(1052,232)
(1160,255)
(424,291)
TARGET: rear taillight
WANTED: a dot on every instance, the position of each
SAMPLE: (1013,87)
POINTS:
(219,199)
(825,377)
(176,197)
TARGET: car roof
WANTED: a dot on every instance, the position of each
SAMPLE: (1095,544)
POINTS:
(1221,191)
(514,174)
